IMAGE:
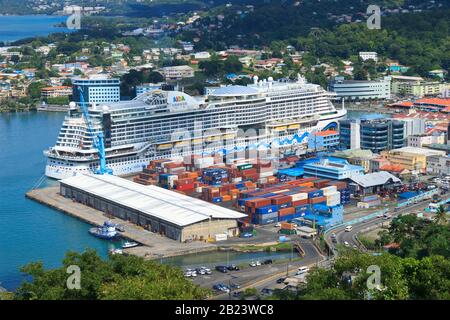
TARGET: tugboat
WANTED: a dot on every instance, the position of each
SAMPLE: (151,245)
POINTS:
(107,231)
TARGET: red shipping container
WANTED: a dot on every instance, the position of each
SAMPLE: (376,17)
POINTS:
(286,212)
(281,199)
(258,203)
(299,202)
(185,187)
(317,200)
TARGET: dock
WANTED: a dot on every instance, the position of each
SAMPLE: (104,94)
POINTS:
(154,246)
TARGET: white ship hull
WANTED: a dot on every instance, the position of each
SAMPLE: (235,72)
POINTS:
(59,169)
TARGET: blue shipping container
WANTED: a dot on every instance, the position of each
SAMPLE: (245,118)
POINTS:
(265,210)
(217,199)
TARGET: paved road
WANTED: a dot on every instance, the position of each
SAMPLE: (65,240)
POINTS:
(342,236)
(264,275)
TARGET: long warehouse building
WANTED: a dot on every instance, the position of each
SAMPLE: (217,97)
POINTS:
(159,210)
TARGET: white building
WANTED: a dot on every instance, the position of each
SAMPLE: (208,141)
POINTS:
(202,55)
(438,165)
(97,89)
(177,72)
(418,141)
(361,89)
(368,56)
(413,126)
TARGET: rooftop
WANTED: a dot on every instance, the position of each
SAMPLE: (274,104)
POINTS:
(419,151)
(157,202)
(374,179)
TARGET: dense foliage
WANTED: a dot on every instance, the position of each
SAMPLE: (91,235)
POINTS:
(419,269)
(120,277)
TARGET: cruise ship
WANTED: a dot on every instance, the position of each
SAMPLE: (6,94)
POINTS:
(169,124)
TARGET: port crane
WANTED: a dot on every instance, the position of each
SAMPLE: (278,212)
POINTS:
(97,140)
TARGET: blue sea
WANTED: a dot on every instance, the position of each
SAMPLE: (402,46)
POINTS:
(14,28)
(30,231)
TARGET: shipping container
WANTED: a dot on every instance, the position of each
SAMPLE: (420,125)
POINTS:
(268,209)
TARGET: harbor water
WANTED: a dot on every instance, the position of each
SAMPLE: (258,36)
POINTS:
(30,231)
(14,28)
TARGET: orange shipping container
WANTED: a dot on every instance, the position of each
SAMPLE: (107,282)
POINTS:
(317,200)
(287,226)
(286,211)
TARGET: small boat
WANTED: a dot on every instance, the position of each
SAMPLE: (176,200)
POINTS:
(107,231)
(115,251)
(129,244)
(120,228)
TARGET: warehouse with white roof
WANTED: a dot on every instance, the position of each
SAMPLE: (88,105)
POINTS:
(159,210)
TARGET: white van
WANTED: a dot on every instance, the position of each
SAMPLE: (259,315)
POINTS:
(348,228)
(302,270)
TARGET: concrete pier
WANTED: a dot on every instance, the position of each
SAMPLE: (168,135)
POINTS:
(154,246)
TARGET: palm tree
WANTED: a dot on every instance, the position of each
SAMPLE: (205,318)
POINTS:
(441,215)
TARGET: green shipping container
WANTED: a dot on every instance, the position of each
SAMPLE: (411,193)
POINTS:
(287,232)
(245,166)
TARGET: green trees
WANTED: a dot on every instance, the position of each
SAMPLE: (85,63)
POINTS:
(120,277)
(217,67)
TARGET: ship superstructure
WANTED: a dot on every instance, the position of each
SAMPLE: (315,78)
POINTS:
(166,124)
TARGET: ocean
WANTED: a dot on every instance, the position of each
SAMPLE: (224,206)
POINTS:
(14,28)
(30,231)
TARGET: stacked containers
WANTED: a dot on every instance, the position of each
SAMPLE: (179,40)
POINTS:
(167,181)
(215,176)
(261,211)
(286,214)
(333,196)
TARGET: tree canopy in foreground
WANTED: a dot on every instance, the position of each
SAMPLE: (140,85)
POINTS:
(120,277)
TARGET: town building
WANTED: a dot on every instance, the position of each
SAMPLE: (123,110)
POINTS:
(410,158)
(177,72)
(419,141)
(368,56)
(174,215)
(417,86)
(413,126)
(358,157)
(331,169)
(361,89)
(97,89)
(438,165)
(57,91)
(371,134)
(373,182)
(323,140)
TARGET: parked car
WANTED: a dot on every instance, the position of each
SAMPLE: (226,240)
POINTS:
(252,264)
(348,228)
(247,235)
(268,261)
(233,267)
(266,291)
(187,274)
(346,244)
(258,263)
(234,286)
(222,269)
(281,280)
(302,270)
